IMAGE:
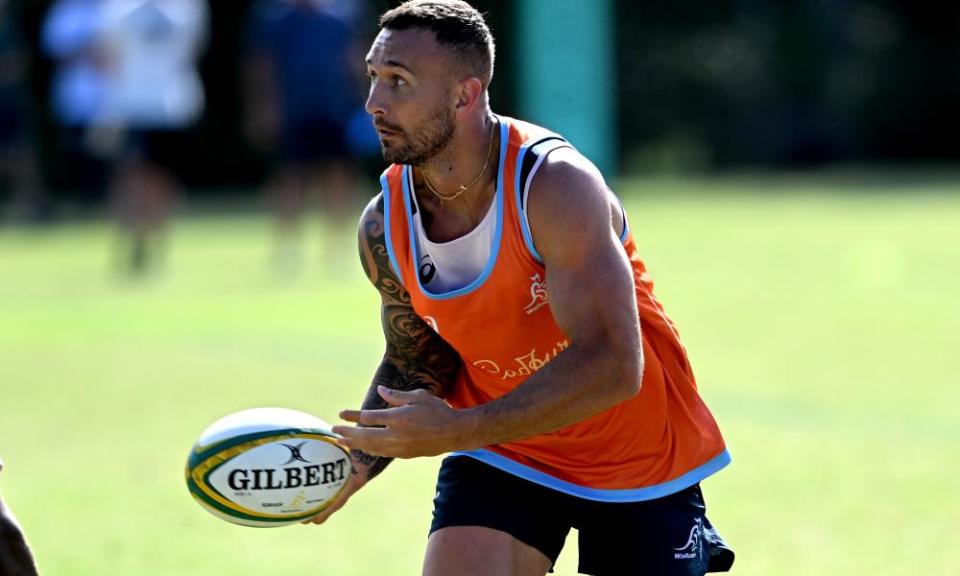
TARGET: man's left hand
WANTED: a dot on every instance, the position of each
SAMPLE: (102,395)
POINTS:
(416,424)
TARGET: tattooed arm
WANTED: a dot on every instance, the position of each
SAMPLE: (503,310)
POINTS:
(416,358)
(593,300)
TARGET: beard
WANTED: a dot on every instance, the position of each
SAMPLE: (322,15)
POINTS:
(424,142)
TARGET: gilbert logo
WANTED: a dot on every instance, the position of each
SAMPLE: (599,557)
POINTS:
(692,548)
(538,295)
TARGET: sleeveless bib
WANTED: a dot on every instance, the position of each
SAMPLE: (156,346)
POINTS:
(659,442)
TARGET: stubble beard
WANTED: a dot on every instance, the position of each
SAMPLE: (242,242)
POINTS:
(425,142)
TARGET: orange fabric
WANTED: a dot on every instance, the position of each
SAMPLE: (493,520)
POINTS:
(504,331)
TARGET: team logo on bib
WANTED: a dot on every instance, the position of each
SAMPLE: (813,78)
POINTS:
(538,295)
(432,322)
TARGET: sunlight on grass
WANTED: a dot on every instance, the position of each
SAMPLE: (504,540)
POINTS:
(821,327)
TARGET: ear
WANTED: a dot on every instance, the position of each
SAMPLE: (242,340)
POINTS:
(469,94)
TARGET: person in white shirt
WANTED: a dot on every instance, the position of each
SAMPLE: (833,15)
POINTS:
(154,96)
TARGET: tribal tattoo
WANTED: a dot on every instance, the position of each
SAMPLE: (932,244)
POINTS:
(416,356)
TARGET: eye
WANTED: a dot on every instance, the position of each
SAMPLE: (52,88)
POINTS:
(398,81)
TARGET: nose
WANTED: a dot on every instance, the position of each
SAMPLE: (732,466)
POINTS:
(375,104)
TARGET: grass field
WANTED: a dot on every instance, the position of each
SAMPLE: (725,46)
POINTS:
(822,323)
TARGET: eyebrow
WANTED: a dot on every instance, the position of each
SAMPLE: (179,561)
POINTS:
(394,64)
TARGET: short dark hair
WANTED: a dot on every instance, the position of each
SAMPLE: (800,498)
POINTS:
(455,24)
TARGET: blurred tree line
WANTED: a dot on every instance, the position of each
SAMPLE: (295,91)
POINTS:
(787,83)
(702,84)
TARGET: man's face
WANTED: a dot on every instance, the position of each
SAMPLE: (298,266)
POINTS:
(412,95)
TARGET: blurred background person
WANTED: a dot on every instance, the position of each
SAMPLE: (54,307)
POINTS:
(71,38)
(153,97)
(18,166)
(303,89)
(16,559)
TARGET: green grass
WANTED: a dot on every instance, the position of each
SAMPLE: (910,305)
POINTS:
(822,324)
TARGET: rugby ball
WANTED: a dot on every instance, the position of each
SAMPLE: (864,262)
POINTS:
(267,467)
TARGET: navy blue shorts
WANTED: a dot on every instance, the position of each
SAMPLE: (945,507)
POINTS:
(669,536)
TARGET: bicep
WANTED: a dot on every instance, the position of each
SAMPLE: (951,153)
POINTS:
(594,300)
(589,279)
(421,358)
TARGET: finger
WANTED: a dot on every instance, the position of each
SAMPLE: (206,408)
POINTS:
(400,397)
(357,433)
(368,417)
(369,440)
(391,396)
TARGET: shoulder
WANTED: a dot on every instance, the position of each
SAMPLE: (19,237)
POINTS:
(375,254)
(390,194)
(372,212)
(372,239)
(568,198)
(568,173)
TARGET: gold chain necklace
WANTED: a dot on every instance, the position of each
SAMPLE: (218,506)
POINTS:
(463,187)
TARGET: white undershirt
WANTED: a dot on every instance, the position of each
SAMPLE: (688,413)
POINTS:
(460,261)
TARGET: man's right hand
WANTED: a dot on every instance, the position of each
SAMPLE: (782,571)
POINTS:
(357,479)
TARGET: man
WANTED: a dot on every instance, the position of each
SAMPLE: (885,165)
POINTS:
(303,88)
(19,177)
(521,332)
(15,556)
(154,98)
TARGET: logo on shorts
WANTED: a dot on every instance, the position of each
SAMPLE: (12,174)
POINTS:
(692,548)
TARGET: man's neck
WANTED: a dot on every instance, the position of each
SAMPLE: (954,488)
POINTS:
(452,211)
